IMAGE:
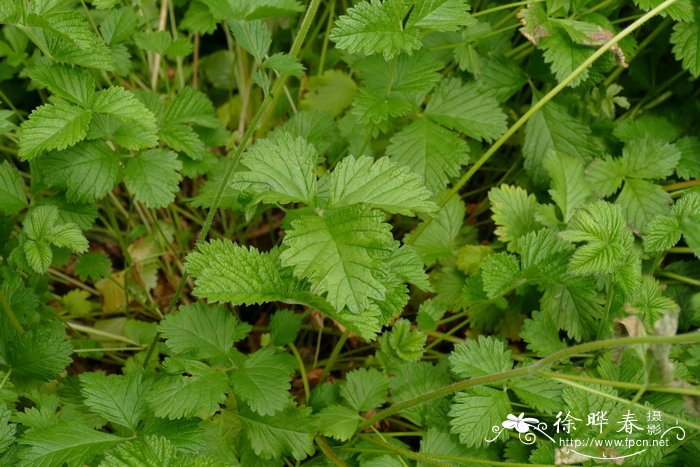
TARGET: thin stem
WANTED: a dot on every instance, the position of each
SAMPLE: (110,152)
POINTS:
(528,370)
(161,27)
(302,371)
(538,106)
(334,356)
(621,384)
(679,278)
(328,452)
(505,7)
(9,312)
(99,333)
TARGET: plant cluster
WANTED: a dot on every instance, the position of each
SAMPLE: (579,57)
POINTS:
(274,232)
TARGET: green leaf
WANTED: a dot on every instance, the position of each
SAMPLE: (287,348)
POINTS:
(259,9)
(331,92)
(406,264)
(500,274)
(475,411)
(564,56)
(341,253)
(65,443)
(226,272)
(431,151)
(365,389)
(88,170)
(440,443)
(202,332)
(153,177)
(182,138)
(480,357)
(569,188)
(539,392)
(686,46)
(680,11)
(376,27)
(401,344)
(67,36)
(135,126)
(280,170)
(69,236)
(198,395)
(119,25)
(379,184)
(438,240)
(572,305)
(71,83)
(661,233)
(289,432)
(40,353)
(94,266)
(415,379)
(52,127)
(262,381)
(440,15)
(338,422)
(118,398)
(38,255)
(649,158)
(641,201)
(553,128)
(12,195)
(254,37)
(153,41)
(513,212)
(285,63)
(284,326)
(603,227)
(191,107)
(689,163)
(464,107)
(541,334)
(147,451)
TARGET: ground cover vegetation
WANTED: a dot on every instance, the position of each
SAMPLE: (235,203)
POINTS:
(275,232)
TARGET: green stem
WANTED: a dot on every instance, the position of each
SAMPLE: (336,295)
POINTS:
(302,371)
(7,309)
(334,356)
(504,7)
(328,452)
(528,370)
(622,384)
(680,278)
(538,106)
(99,333)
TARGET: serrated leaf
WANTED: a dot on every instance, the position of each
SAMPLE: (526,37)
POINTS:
(649,158)
(289,432)
(475,411)
(661,233)
(573,306)
(12,195)
(52,127)
(541,334)
(500,274)
(376,27)
(401,344)
(603,227)
(69,236)
(438,240)
(88,171)
(341,253)
(480,357)
(182,138)
(513,212)
(539,392)
(285,63)
(94,266)
(262,381)
(74,84)
(440,15)
(553,128)
(38,254)
(689,163)
(331,92)
(280,170)
(153,177)
(284,326)
(153,41)
(464,107)
(254,37)
(564,56)
(67,36)
(65,443)
(338,422)
(198,395)
(135,127)
(431,151)
(680,11)
(40,353)
(406,264)
(569,188)
(202,331)
(414,379)
(191,106)
(378,183)
(365,389)
(226,272)
(118,398)
(641,201)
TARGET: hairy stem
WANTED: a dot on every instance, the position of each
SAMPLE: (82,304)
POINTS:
(688,338)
